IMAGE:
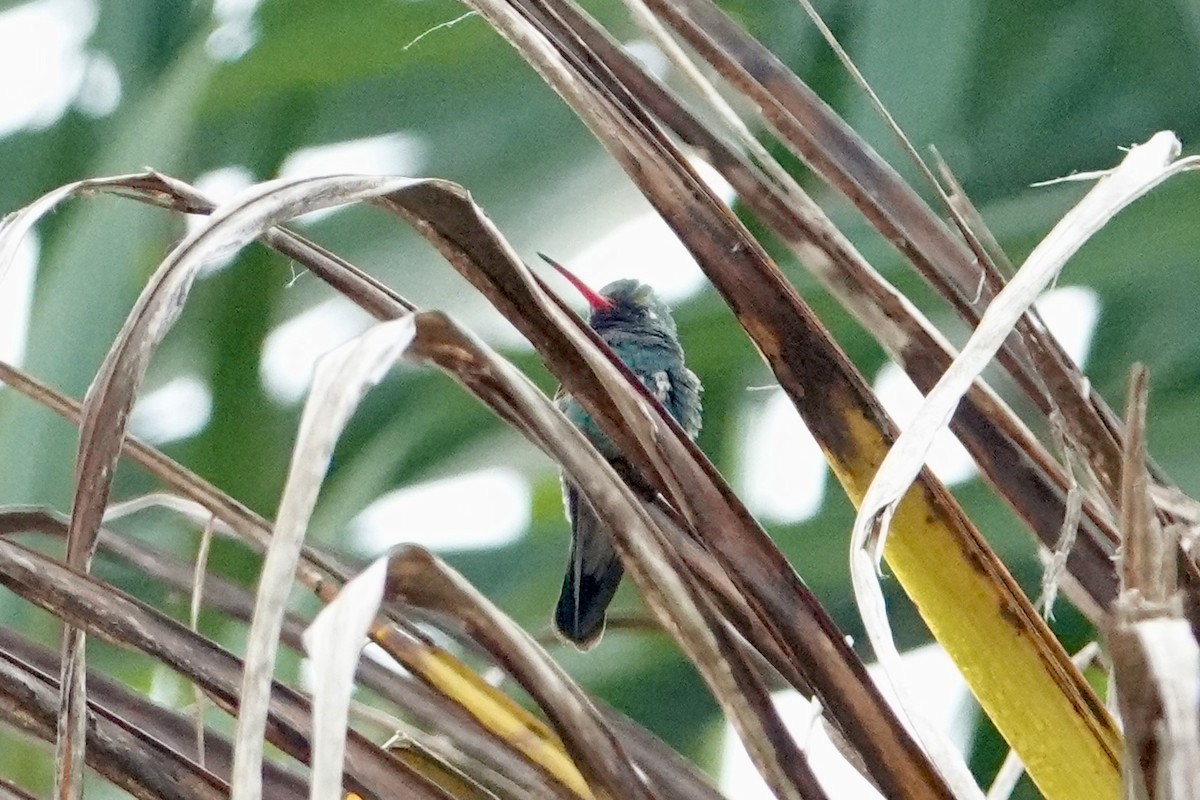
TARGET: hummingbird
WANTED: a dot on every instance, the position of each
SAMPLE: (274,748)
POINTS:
(637,325)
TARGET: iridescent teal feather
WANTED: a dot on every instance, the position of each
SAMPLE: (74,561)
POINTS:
(639,328)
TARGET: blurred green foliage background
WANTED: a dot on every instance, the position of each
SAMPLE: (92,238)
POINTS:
(1009,92)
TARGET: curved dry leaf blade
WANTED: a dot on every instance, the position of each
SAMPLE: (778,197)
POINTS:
(16,226)
(110,397)
(70,742)
(333,642)
(341,379)
(230,227)
(157,189)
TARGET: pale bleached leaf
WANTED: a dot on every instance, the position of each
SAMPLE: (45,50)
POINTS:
(333,643)
(17,225)
(342,378)
(109,399)
(185,507)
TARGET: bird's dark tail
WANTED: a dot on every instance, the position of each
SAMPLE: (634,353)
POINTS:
(593,574)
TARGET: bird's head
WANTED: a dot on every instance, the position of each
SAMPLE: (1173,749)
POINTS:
(623,303)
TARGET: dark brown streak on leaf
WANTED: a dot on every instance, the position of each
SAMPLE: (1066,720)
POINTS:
(220,593)
(369,293)
(82,601)
(10,791)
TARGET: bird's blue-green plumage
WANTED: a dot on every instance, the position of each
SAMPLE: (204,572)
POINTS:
(641,332)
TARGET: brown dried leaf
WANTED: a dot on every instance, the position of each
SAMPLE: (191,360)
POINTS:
(1156,660)
(100,610)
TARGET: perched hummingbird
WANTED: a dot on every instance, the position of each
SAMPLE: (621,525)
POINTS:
(637,325)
